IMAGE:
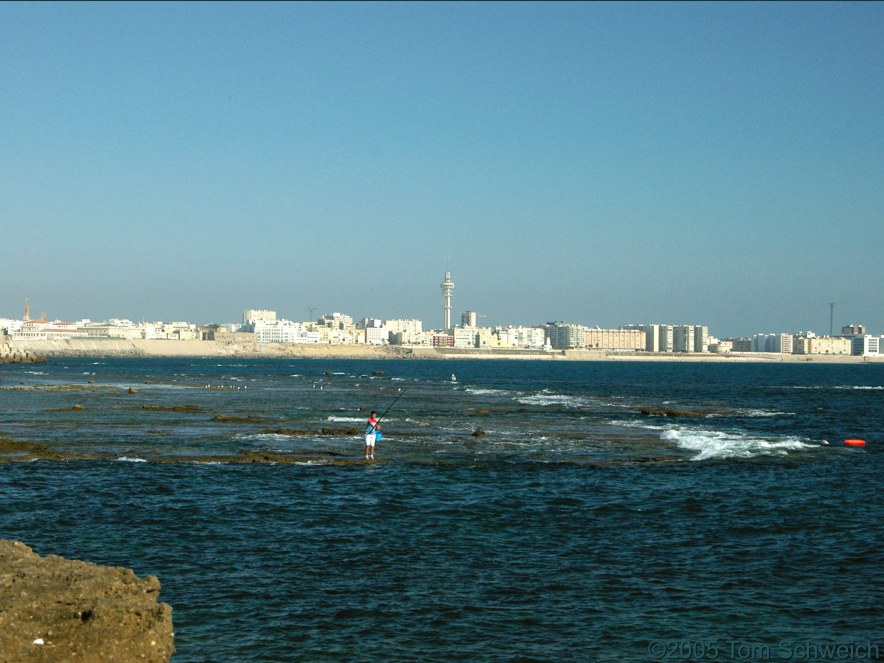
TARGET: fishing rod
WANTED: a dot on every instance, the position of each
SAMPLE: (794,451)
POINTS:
(401,394)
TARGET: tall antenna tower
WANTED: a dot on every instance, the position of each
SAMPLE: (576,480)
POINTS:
(447,287)
(832,318)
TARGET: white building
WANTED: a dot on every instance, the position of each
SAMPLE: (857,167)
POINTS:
(533,338)
(781,343)
(40,330)
(406,332)
(251,316)
(866,346)
(284,331)
(464,337)
(376,336)
(337,321)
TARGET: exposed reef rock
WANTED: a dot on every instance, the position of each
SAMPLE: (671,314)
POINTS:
(55,609)
(671,412)
(172,408)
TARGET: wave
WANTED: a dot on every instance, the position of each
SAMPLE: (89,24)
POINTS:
(127,459)
(261,436)
(758,412)
(719,444)
(841,387)
(547,397)
(484,391)
(340,419)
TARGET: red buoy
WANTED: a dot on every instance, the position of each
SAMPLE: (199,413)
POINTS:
(855,443)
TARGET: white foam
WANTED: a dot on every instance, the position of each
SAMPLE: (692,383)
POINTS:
(127,459)
(548,398)
(263,436)
(476,391)
(762,413)
(720,444)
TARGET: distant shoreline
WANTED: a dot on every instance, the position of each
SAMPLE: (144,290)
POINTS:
(163,348)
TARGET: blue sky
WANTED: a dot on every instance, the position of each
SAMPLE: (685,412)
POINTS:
(605,164)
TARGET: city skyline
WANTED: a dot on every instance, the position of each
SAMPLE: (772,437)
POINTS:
(447,316)
(716,163)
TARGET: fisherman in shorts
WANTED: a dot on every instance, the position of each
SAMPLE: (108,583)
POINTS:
(371,429)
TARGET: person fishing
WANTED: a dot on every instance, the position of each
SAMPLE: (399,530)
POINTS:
(372,429)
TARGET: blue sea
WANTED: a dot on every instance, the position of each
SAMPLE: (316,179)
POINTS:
(517,510)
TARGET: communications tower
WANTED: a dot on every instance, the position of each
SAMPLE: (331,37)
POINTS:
(447,287)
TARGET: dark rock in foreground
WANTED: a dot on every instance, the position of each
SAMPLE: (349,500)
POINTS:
(55,609)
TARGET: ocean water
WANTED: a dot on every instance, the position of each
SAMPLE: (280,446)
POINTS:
(576,528)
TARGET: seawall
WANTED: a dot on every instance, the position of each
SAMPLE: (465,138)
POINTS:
(34,350)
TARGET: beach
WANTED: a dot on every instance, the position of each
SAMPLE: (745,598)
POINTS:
(171,348)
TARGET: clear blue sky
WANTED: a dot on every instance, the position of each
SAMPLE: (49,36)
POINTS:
(715,164)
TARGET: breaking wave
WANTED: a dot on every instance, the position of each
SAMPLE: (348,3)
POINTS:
(720,444)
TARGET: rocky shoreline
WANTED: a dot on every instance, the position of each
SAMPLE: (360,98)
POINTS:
(55,609)
(15,355)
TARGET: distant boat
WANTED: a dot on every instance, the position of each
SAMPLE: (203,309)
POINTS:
(453,377)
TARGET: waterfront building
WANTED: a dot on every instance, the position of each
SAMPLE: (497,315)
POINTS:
(781,343)
(823,345)
(226,334)
(533,338)
(486,338)
(122,329)
(865,345)
(443,340)
(464,337)
(701,338)
(41,330)
(564,335)
(683,337)
(721,347)
(283,331)
(666,338)
(376,335)
(404,332)
(652,335)
(615,339)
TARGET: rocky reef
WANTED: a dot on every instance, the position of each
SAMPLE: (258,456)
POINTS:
(55,609)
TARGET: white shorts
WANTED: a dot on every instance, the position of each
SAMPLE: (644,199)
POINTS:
(369,439)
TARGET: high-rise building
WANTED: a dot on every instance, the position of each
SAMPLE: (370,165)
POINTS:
(564,335)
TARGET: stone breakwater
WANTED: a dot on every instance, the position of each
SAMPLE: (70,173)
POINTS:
(36,350)
(55,609)
(162,348)
(15,355)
